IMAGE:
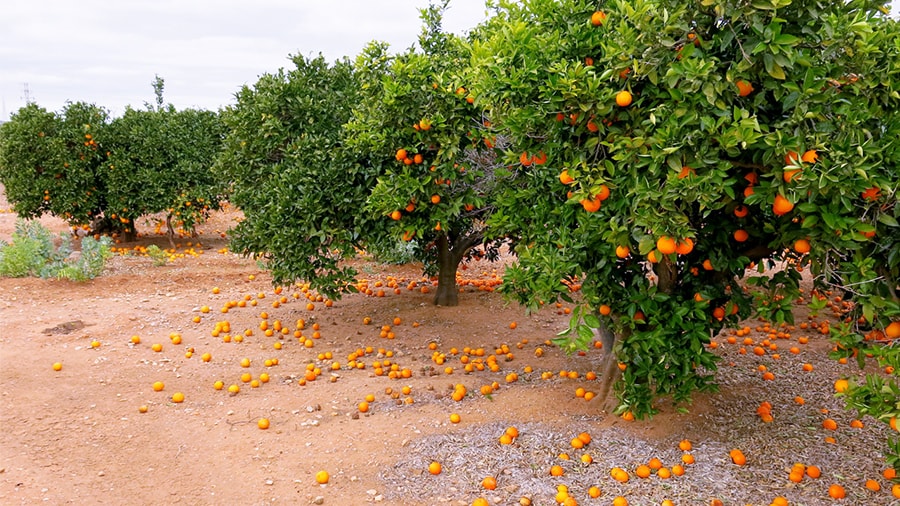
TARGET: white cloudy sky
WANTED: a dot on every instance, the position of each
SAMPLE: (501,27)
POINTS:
(108,51)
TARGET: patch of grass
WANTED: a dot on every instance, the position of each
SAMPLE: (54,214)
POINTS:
(33,252)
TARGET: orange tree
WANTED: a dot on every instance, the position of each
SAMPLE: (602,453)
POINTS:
(326,160)
(82,167)
(52,163)
(160,162)
(301,193)
(419,122)
(686,144)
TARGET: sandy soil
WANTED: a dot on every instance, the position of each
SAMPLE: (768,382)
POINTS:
(76,436)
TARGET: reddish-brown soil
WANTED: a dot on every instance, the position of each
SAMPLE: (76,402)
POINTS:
(76,436)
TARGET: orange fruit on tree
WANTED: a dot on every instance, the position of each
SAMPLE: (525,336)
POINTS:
(744,87)
(801,246)
(435,199)
(836,491)
(666,245)
(741,235)
(602,192)
(396,215)
(782,206)
(810,156)
(622,251)
(591,205)
(789,174)
(684,246)
(892,331)
(401,155)
(741,211)
(604,310)
(565,178)
(623,98)
(597,18)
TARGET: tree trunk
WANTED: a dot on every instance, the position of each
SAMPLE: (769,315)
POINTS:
(170,232)
(450,254)
(609,373)
(447,292)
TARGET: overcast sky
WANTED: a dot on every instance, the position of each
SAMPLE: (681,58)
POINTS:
(107,52)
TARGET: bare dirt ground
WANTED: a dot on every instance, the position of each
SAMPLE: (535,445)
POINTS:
(76,436)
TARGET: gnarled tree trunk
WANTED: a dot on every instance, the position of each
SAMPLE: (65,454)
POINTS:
(450,254)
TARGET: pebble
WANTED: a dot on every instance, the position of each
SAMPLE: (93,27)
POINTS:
(318,500)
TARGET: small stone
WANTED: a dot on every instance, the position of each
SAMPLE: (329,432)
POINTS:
(371,491)
(270,482)
(319,500)
(379,498)
(101,473)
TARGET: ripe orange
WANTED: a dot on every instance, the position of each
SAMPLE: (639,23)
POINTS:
(454,418)
(642,471)
(666,245)
(435,199)
(892,331)
(604,310)
(684,246)
(737,457)
(143,408)
(556,470)
(801,246)
(741,211)
(841,385)
(836,491)
(623,98)
(57,366)
(156,347)
(481,501)
(620,501)
(597,18)
(435,468)
(741,235)
(489,483)
(622,251)
(263,423)
(178,397)
(322,477)
(591,205)
(685,445)
(782,206)
(829,424)
(873,485)
(565,178)
(813,472)
(789,174)
(810,156)
(744,88)
(396,215)
(158,386)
